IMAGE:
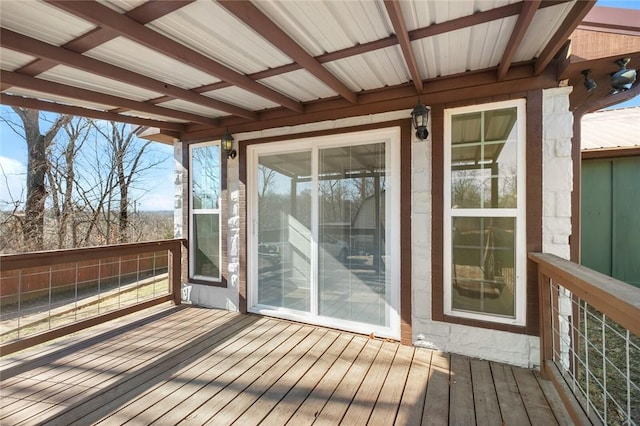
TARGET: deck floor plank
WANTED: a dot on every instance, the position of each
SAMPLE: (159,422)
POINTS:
(311,407)
(415,390)
(386,407)
(263,406)
(258,389)
(233,338)
(247,372)
(511,405)
(461,408)
(534,401)
(436,405)
(484,394)
(288,405)
(360,409)
(198,366)
(339,403)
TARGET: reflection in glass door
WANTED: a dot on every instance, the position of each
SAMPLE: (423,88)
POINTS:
(351,255)
(324,242)
(284,230)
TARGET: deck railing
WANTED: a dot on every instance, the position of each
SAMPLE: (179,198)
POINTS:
(590,341)
(45,295)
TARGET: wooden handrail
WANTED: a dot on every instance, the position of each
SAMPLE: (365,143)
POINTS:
(614,298)
(9,262)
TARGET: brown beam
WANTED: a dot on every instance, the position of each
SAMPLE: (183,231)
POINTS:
(573,19)
(58,89)
(529,9)
(105,17)
(519,80)
(33,47)
(400,28)
(259,22)
(20,101)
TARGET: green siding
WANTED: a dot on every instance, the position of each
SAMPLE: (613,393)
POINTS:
(610,240)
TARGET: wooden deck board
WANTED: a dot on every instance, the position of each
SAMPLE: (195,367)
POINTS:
(199,366)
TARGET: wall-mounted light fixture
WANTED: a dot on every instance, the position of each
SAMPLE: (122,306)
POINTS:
(420,116)
(227,145)
(589,84)
(623,78)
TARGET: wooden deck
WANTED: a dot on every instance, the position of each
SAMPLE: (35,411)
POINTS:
(201,366)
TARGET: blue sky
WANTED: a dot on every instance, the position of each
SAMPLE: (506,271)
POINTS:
(13,154)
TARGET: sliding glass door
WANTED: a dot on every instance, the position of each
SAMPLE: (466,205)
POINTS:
(324,246)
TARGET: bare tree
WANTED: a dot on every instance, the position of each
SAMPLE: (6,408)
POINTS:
(37,167)
(61,177)
(128,162)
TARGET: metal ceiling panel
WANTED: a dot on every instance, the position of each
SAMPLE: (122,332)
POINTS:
(18,91)
(85,80)
(542,28)
(122,6)
(136,57)
(420,14)
(242,98)
(300,85)
(321,27)
(208,28)
(372,70)
(41,21)
(180,105)
(12,60)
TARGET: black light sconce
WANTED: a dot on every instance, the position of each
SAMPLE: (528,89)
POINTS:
(227,145)
(623,78)
(420,116)
(589,84)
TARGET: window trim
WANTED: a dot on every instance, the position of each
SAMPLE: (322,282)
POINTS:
(192,277)
(519,213)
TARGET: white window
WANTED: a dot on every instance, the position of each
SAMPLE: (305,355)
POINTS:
(324,230)
(484,212)
(204,220)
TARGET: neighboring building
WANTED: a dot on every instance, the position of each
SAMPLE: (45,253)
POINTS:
(610,208)
(319,96)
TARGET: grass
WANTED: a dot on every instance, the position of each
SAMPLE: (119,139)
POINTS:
(67,310)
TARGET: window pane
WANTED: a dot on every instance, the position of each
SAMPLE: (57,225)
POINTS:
(206,235)
(284,230)
(483,270)
(484,159)
(205,176)
(351,234)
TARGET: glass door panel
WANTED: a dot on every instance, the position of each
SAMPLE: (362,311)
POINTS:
(284,230)
(352,283)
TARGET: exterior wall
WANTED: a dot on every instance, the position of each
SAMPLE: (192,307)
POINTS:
(503,346)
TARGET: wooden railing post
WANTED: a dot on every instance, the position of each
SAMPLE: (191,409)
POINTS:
(546,332)
(175,260)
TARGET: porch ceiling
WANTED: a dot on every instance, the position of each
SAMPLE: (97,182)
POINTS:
(200,67)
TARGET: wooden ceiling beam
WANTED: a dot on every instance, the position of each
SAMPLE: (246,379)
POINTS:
(58,89)
(248,13)
(529,9)
(571,22)
(400,28)
(19,101)
(520,78)
(33,47)
(126,27)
